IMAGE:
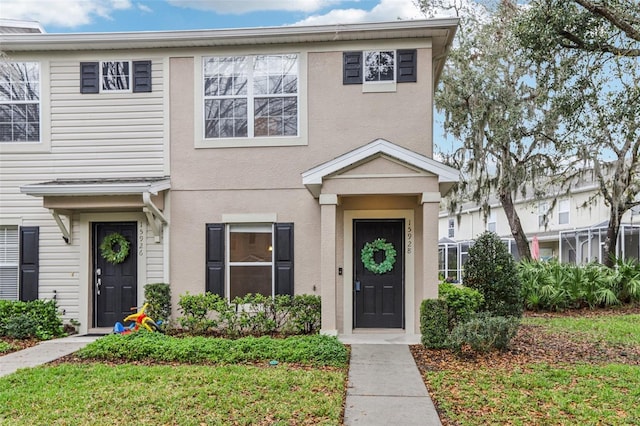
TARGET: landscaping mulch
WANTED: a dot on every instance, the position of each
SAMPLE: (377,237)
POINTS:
(533,345)
(18,344)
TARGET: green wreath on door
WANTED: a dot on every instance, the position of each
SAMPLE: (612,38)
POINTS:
(368,251)
(108,248)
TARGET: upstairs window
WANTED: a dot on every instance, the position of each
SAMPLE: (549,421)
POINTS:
(563,212)
(492,223)
(452,228)
(115,77)
(542,213)
(250,96)
(20,102)
(380,66)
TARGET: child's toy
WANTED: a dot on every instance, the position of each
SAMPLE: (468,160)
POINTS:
(139,319)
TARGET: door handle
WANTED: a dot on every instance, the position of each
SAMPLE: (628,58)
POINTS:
(98,284)
(357,286)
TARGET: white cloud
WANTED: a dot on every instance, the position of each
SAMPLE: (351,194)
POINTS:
(144,8)
(64,13)
(386,10)
(244,6)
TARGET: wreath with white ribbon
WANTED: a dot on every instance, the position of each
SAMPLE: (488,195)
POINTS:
(369,250)
(107,248)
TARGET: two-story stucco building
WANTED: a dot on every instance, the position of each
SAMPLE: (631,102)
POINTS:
(231,161)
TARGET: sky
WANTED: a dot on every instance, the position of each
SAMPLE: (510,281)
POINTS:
(64,16)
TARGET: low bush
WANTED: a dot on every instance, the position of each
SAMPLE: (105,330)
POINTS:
(434,323)
(484,333)
(158,296)
(37,318)
(555,286)
(252,315)
(461,302)
(309,350)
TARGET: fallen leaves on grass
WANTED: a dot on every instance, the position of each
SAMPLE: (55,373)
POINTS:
(533,345)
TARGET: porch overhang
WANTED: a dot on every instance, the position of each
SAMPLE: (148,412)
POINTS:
(419,169)
(64,197)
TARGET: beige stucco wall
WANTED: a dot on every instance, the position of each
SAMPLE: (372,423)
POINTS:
(208,183)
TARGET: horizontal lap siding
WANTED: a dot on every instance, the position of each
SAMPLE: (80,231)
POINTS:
(92,136)
(106,134)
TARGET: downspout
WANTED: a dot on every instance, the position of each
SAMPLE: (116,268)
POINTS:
(154,216)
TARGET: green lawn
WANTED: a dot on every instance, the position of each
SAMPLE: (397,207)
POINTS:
(613,329)
(497,390)
(541,395)
(99,394)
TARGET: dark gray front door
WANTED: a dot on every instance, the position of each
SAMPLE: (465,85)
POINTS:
(378,298)
(115,285)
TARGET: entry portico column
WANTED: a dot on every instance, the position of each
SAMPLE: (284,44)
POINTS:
(328,203)
(430,210)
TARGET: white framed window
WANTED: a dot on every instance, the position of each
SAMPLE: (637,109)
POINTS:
(379,66)
(543,208)
(492,223)
(452,228)
(563,212)
(253,96)
(115,76)
(9,259)
(20,87)
(250,265)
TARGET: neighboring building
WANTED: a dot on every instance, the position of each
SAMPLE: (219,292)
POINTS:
(569,227)
(233,161)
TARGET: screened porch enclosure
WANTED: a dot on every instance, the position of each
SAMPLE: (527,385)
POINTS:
(586,245)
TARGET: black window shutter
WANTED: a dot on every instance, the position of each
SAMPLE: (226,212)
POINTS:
(352,68)
(29,263)
(283,259)
(406,66)
(89,77)
(215,258)
(141,76)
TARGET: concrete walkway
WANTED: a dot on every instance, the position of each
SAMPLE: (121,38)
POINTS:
(42,353)
(385,388)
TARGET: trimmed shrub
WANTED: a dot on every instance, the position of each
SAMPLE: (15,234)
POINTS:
(461,302)
(37,318)
(158,296)
(491,270)
(252,315)
(484,333)
(434,323)
(311,350)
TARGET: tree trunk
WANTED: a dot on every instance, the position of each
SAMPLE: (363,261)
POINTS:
(611,240)
(516,227)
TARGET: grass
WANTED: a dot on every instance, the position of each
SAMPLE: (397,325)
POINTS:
(613,329)
(125,394)
(544,394)
(524,387)
(5,347)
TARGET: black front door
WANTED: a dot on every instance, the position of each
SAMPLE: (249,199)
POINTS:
(378,295)
(115,284)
